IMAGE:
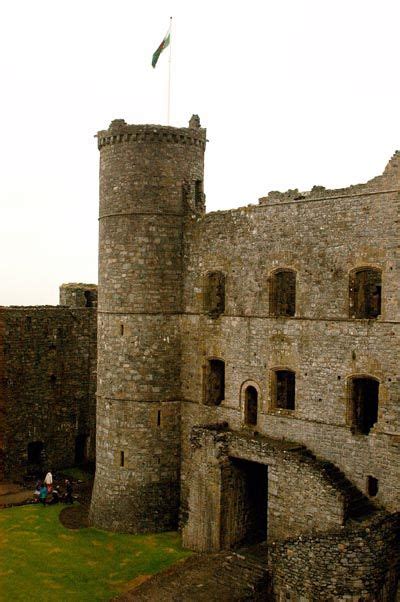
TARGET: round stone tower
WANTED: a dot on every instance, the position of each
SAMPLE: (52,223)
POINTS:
(151,177)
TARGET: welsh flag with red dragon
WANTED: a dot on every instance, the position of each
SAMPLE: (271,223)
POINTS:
(161,47)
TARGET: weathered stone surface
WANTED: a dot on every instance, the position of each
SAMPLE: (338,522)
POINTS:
(262,293)
(47,385)
(150,179)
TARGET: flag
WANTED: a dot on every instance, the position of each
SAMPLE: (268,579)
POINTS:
(161,47)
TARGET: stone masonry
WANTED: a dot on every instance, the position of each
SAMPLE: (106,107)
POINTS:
(248,372)
(47,383)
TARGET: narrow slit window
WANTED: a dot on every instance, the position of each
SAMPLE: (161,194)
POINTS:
(372,486)
(121,330)
(122,458)
(158,417)
(198,194)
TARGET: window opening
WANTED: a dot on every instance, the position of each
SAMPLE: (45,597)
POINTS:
(89,298)
(198,194)
(365,293)
(215,382)
(251,400)
(285,389)
(364,394)
(372,486)
(122,459)
(214,294)
(158,417)
(283,293)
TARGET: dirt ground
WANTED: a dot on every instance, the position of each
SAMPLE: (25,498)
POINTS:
(12,494)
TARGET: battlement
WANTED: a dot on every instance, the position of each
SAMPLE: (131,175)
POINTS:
(120,131)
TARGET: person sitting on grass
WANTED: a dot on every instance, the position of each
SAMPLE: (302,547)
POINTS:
(68,499)
(36,493)
(55,496)
(48,481)
(43,494)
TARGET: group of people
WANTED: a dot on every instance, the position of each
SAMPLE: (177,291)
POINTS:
(46,493)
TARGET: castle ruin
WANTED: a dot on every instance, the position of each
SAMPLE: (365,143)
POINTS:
(248,366)
(248,384)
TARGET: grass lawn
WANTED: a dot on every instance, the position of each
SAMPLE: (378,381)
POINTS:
(42,560)
(76,473)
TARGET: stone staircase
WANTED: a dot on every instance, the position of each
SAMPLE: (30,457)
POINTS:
(358,507)
(242,574)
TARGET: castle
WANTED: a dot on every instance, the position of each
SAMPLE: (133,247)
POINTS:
(248,364)
(248,383)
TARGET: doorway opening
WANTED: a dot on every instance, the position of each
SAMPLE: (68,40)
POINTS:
(81,449)
(35,452)
(245,511)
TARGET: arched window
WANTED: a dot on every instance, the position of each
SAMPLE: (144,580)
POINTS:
(365,293)
(283,389)
(282,295)
(35,452)
(363,402)
(250,405)
(214,382)
(214,294)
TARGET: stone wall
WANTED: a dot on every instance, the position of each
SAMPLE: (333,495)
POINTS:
(48,371)
(354,564)
(322,236)
(182,292)
(299,500)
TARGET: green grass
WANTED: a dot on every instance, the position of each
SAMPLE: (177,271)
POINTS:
(77,473)
(42,560)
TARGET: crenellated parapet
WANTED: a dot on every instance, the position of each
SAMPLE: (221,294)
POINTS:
(119,131)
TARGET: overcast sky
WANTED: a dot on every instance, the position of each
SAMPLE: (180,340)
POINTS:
(293,93)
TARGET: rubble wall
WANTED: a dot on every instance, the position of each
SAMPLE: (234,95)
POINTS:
(48,384)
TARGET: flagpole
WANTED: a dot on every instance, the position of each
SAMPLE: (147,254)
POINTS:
(169,73)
